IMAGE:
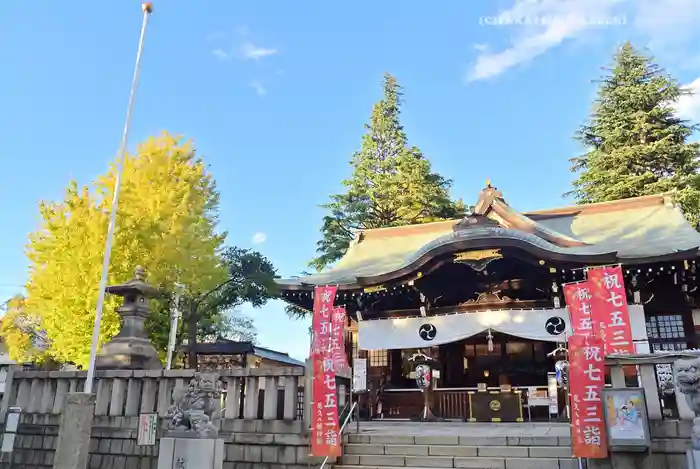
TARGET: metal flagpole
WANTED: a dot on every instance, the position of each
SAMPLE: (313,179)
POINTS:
(147,8)
(174,318)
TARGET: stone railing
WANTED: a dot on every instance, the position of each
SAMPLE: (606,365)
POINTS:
(670,438)
(248,393)
(647,378)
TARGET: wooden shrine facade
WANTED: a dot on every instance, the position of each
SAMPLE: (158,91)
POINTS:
(492,285)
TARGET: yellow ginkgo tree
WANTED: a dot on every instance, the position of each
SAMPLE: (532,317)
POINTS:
(166,222)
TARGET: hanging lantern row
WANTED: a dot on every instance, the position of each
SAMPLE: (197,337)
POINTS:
(566,275)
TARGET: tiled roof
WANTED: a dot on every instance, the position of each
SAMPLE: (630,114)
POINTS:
(631,230)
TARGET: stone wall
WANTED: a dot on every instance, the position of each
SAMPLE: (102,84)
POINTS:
(249,444)
(261,417)
(670,439)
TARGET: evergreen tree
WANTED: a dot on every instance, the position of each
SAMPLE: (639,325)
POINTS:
(391,185)
(636,144)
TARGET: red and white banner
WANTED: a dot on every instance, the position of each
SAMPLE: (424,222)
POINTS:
(610,309)
(578,301)
(321,322)
(586,382)
(325,432)
(337,343)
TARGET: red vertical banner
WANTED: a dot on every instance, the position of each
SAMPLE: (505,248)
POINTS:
(321,322)
(325,432)
(337,344)
(586,382)
(610,310)
(578,301)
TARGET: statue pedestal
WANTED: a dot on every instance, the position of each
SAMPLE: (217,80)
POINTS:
(191,453)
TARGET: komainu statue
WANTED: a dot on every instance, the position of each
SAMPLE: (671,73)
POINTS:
(191,413)
(687,374)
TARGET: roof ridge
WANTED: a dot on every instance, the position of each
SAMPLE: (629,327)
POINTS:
(613,205)
(387,228)
(642,200)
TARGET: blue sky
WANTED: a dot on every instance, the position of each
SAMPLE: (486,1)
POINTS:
(275,95)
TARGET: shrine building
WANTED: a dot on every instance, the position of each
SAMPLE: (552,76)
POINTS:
(483,294)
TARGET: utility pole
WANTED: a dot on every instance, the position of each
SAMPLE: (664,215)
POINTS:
(147,8)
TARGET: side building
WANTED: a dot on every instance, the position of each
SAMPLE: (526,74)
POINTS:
(483,295)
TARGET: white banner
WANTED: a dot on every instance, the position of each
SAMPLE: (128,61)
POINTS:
(552,325)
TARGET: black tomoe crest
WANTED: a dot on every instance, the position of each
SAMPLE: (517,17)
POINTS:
(555,325)
(427,331)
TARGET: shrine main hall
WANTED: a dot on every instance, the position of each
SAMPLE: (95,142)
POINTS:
(482,295)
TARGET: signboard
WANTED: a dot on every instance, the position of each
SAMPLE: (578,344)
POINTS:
(610,309)
(359,375)
(626,421)
(325,431)
(11,425)
(586,382)
(148,426)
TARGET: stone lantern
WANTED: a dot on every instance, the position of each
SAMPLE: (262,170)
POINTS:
(131,349)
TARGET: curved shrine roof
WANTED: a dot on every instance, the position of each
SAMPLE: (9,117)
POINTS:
(636,230)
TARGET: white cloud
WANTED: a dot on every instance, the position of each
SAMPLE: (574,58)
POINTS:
(539,25)
(259,88)
(689,106)
(220,54)
(259,238)
(251,52)
(237,45)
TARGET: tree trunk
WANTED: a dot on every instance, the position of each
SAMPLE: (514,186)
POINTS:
(192,336)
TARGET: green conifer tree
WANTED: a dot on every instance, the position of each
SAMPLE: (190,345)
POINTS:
(636,144)
(392,184)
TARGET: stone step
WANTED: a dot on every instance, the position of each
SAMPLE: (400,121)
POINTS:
(445,461)
(449,440)
(475,463)
(351,450)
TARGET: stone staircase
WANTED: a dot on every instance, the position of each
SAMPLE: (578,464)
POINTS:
(381,451)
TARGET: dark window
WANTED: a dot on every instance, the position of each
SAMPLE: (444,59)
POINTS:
(519,350)
(378,358)
(469,351)
(666,332)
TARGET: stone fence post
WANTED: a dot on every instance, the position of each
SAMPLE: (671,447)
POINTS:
(73,445)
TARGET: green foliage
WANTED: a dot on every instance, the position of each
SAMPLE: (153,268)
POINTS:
(391,185)
(636,145)
(250,279)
